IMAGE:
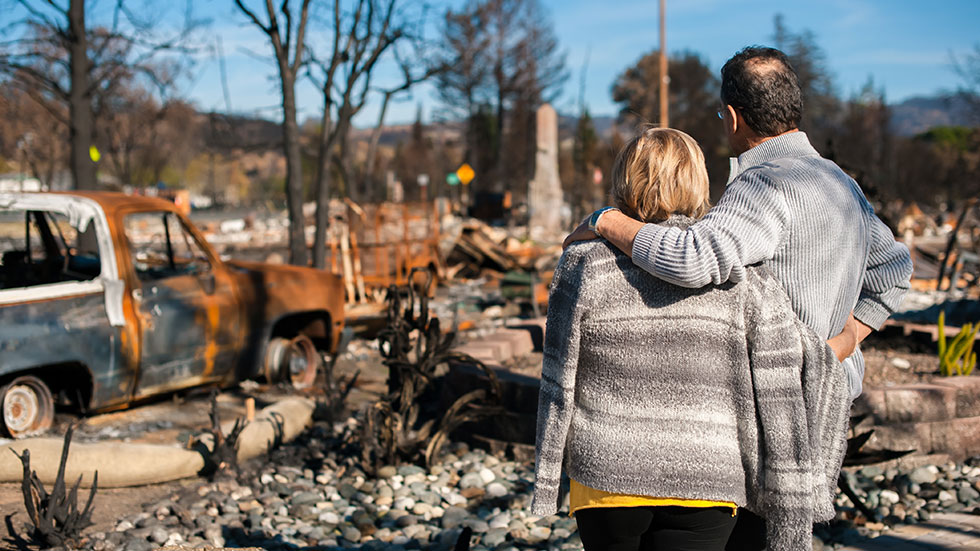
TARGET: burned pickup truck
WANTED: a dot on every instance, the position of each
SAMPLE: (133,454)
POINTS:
(106,299)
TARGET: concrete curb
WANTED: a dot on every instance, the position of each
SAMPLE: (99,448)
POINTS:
(122,464)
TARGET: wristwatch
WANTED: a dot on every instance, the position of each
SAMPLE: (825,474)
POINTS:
(594,219)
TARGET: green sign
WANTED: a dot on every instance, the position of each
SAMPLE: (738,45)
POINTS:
(452,179)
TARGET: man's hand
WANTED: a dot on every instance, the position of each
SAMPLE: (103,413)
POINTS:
(616,227)
(581,233)
(844,343)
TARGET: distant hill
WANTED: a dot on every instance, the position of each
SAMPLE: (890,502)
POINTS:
(909,118)
(223,131)
(917,115)
(393,134)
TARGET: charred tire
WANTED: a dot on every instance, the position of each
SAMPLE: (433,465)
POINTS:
(295,360)
(27,406)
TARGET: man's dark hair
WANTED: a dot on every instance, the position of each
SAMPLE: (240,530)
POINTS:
(761,83)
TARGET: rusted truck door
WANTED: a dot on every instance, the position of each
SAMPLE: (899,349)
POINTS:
(187,307)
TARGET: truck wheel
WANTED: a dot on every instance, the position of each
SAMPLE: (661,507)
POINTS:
(27,406)
(294,360)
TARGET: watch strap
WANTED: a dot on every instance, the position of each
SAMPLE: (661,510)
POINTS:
(594,219)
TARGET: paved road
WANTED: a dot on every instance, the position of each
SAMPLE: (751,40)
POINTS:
(945,532)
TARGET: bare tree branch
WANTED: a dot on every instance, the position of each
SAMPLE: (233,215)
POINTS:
(301,37)
(36,76)
(43,16)
(251,15)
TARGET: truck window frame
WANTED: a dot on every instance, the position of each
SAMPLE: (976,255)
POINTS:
(199,261)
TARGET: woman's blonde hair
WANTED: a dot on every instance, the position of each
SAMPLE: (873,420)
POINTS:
(659,173)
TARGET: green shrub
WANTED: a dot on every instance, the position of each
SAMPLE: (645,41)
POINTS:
(958,358)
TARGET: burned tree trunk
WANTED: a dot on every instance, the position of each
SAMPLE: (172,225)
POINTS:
(81,118)
(289,53)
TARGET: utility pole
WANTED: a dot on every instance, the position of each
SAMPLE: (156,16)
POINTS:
(664,77)
(224,74)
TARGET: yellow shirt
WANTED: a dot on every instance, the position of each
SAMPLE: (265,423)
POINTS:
(581,496)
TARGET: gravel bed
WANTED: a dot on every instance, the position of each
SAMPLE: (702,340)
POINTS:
(902,496)
(308,495)
(312,494)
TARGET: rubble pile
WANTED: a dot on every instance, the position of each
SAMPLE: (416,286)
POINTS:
(376,245)
(249,232)
(482,250)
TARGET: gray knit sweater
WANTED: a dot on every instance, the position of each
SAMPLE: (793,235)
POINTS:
(718,393)
(809,222)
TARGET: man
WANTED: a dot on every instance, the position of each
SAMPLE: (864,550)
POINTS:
(785,206)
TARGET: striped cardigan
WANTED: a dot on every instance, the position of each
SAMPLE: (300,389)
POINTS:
(718,393)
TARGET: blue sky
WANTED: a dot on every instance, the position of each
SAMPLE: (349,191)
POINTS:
(905,46)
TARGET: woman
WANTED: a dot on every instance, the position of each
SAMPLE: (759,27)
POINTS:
(673,407)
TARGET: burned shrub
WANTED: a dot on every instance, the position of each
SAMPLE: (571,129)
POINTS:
(224,451)
(406,425)
(56,517)
(333,407)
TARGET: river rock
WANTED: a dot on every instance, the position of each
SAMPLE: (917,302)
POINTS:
(453,517)
(494,537)
(159,535)
(472,480)
(967,494)
(887,498)
(496,489)
(351,534)
(539,534)
(927,474)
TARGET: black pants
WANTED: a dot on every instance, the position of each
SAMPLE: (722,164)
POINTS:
(655,528)
(749,533)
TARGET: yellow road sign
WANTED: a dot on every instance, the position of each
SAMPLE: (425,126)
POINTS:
(465,173)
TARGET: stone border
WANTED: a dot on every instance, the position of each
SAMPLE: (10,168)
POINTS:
(938,417)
